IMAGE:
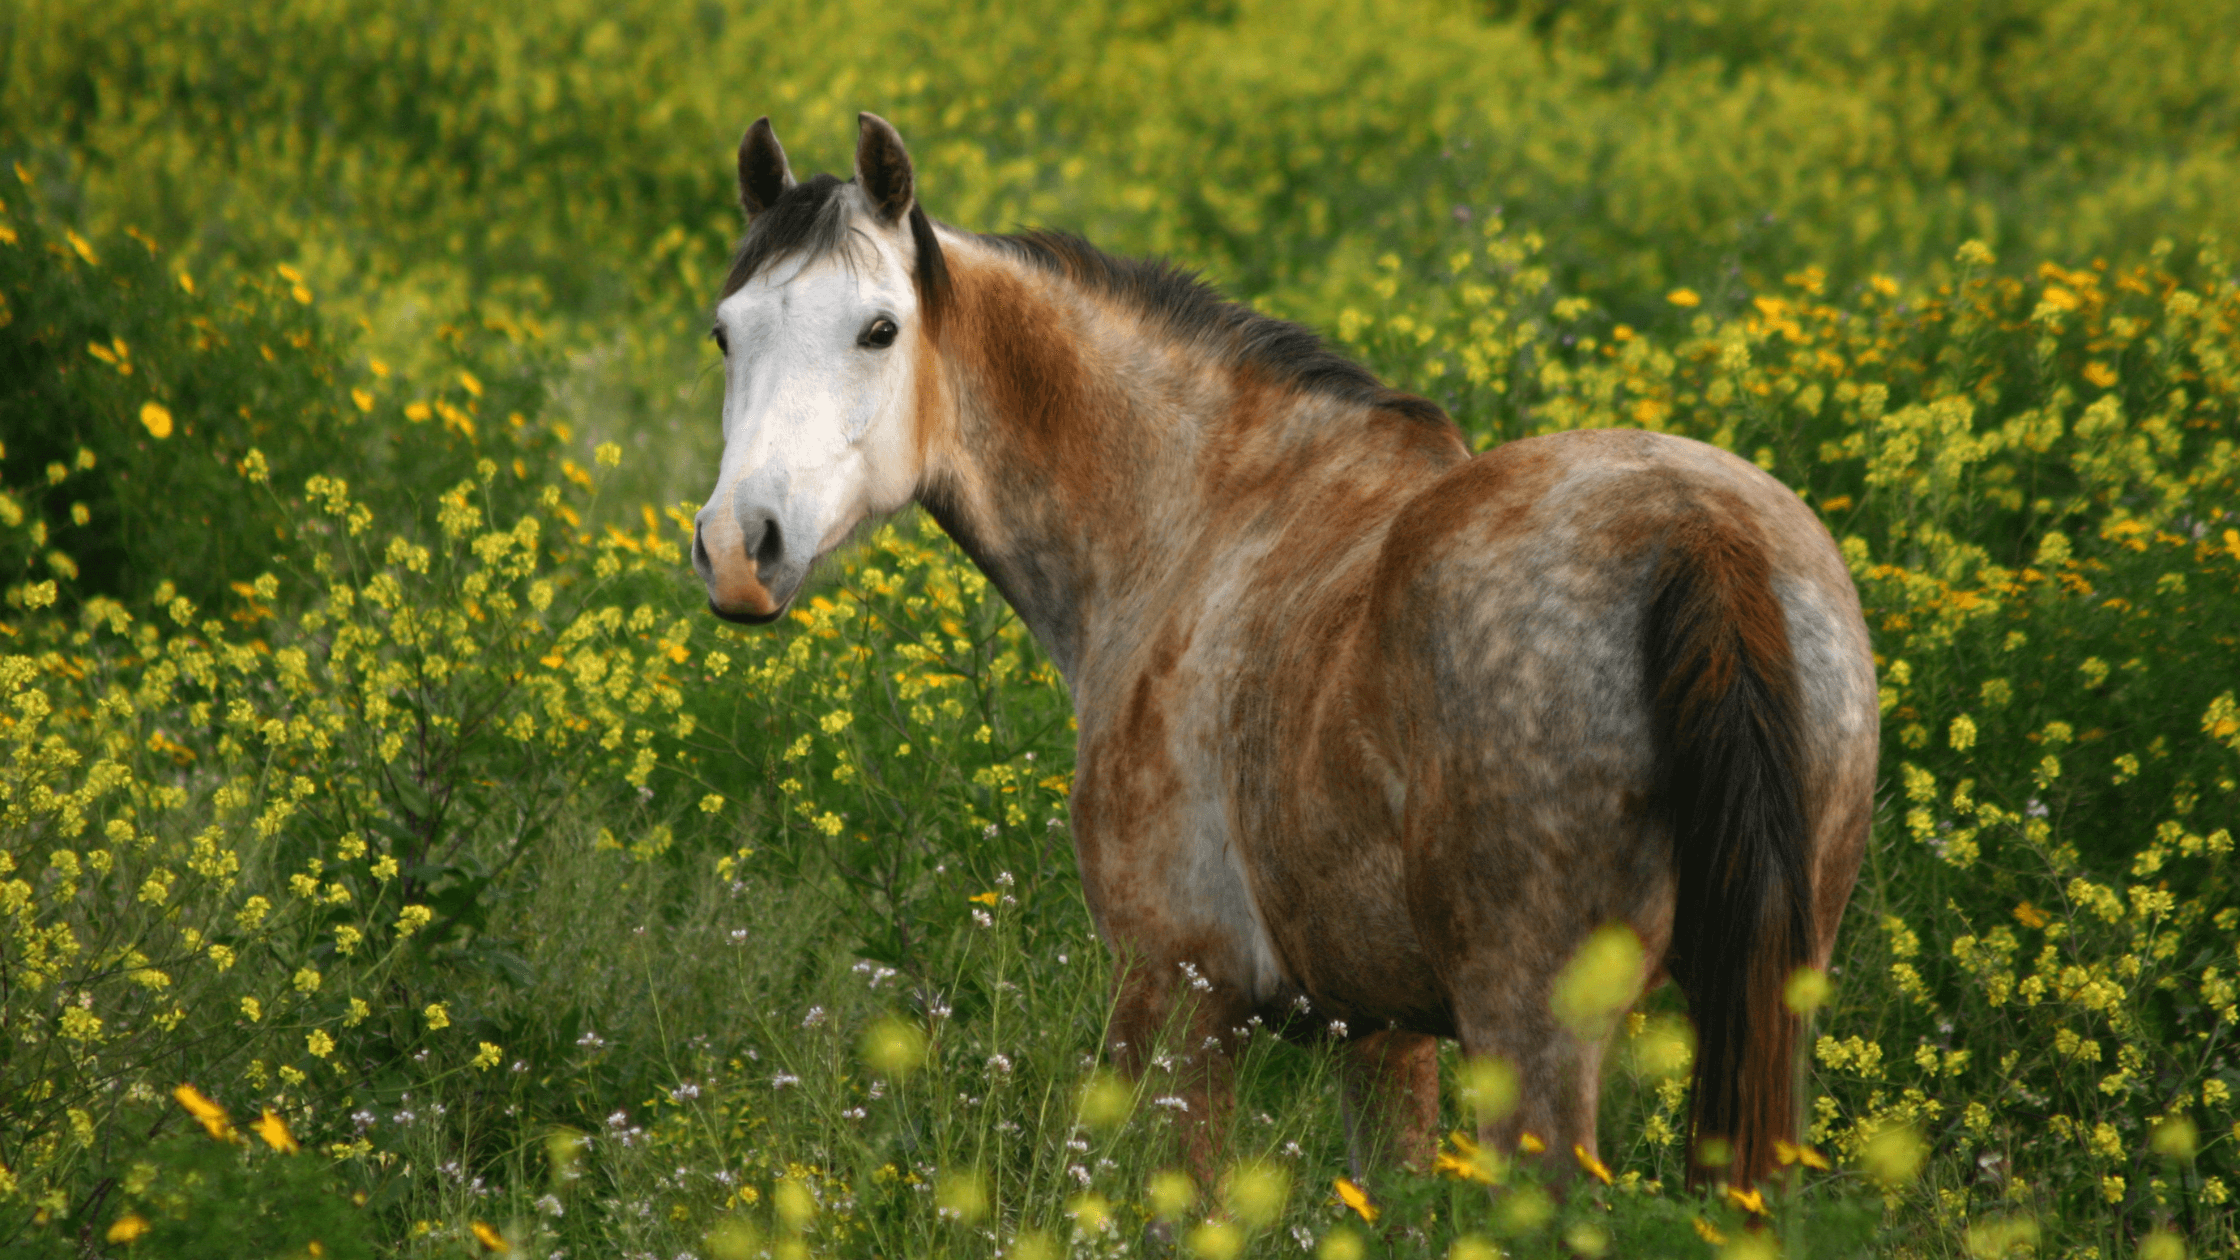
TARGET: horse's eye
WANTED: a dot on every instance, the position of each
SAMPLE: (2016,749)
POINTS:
(723,343)
(880,334)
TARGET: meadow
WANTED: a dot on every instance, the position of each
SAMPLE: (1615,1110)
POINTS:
(396,860)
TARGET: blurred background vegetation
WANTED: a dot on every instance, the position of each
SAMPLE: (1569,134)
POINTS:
(562,161)
(371,765)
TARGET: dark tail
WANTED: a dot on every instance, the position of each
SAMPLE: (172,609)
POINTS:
(1728,754)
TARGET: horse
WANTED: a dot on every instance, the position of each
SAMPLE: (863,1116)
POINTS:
(1374,733)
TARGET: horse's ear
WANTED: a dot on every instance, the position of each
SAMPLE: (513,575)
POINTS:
(763,173)
(883,167)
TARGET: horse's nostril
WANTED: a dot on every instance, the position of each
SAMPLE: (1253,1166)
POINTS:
(771,549)
(700,559)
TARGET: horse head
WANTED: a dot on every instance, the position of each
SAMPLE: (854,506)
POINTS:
(824,323)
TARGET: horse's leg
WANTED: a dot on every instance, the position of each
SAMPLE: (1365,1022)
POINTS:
(1176,1035)
(1391,1101)
(1559,1075)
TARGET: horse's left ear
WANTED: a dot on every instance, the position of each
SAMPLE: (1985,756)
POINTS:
(883,167)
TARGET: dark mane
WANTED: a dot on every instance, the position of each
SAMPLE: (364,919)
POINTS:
(810,220)
(1196,313)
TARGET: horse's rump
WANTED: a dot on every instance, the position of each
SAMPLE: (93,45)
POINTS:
(1596,629)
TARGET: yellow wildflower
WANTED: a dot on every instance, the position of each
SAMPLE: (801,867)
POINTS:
(1595,1167)
(212,1116)
(1356,1198)
(1788,1153)
(275,1133)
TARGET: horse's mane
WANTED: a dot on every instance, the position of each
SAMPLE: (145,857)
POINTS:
(1196,313)
(810,220)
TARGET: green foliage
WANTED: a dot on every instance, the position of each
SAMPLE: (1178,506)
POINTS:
(140,391)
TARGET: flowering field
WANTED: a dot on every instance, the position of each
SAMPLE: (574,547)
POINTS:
(395,860)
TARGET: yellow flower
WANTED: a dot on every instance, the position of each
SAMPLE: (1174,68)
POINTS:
(1530,1143)
(1748,1200)
(156,418)
(2030,916)
(1708,1232)
(1788,1153)
(491,1239)
(1684,297)
(1599,1170)
(437,1016)
(985,899)
(2099,374)
(1356,1198)
(486,1056)
(128,1227)
(275,1133)
(212,1116)
(319,1043)
(1467,1161)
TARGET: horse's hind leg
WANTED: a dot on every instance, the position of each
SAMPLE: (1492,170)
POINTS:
(1391,1101)
(1559,1075)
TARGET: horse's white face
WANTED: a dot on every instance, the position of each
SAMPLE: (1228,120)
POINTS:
(819,405)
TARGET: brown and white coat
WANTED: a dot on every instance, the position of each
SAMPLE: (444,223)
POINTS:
(1373,733)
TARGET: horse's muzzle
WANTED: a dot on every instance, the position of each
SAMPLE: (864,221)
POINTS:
(735,589)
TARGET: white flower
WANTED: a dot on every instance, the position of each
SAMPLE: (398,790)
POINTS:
(1337,1028)
(783,1079)
(1171,1102)
(550,1205)
(814,1018)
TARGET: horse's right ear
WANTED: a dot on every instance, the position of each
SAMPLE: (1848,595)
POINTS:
(763,173)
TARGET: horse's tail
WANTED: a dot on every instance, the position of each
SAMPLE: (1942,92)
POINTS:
(1728,751)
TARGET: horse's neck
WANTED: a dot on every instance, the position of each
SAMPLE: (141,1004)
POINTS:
(1095,467)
